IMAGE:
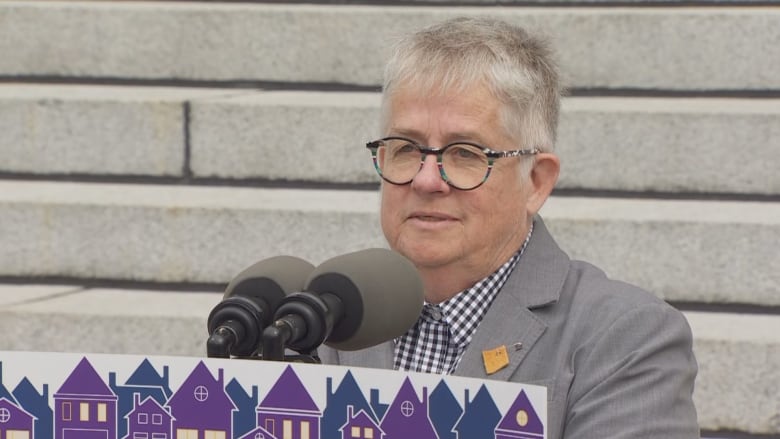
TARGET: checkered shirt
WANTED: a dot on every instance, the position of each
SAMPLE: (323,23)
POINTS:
(436,343)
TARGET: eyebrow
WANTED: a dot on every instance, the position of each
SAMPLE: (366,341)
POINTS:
(452,137)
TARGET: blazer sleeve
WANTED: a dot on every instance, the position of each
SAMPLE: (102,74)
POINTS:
(639,380)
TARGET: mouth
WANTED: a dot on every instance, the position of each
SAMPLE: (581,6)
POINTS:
(430,217)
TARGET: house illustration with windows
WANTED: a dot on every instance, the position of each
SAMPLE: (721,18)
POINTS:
(521,421)
(288,410)
(144,381)
(338,402)
(84,406)
(407,416)
(148,420)
(480,416)
(15,422)
(360,426)
(37,404)
(200,408)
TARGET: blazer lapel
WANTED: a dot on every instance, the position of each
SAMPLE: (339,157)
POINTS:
(536,282)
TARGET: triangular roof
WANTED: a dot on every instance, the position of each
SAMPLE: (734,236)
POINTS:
(5,402)
(150,405)
(407,392)
(200,375)
(442,394)
(479,411)
(27,395)
(521,417)
(289,393)
(361,418)
(146,375)
(84,381)
(252,433)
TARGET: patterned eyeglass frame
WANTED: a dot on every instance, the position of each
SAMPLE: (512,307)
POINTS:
(491,154)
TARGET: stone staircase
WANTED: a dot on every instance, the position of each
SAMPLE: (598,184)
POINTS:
(151,150)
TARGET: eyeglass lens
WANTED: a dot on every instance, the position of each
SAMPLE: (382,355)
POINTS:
(464,166)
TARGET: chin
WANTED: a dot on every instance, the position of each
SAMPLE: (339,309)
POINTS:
(426,256)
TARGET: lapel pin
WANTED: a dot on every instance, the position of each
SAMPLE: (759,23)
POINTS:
(495,359)
(517,346)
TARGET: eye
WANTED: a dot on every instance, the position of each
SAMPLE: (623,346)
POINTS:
(465,153)
(402,148)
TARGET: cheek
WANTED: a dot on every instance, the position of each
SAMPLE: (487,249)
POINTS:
(390,214)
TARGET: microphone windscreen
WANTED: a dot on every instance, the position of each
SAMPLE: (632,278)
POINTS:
(381,292)
(271,279)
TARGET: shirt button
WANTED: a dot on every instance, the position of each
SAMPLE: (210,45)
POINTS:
(436,314)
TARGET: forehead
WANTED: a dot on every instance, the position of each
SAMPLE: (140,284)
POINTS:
(473,109)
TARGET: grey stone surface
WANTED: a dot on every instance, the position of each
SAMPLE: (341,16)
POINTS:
(670,48)
(738,355)
(699,251)
(311,136)
(111,321)
(94,129)
(173,233)
(640,144)
(11,294)
(681,250)
(659,144)
(739,371)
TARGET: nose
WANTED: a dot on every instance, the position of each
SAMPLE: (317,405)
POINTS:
(428,178)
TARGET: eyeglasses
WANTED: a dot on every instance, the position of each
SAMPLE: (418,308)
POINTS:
(463,165)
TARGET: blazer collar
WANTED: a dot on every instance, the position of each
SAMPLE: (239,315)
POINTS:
(510,322)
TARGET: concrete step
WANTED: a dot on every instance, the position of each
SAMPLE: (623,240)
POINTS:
(645,144)
(738,355)
(675,48)
(700,251)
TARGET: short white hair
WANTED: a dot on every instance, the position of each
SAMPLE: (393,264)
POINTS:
(458,54)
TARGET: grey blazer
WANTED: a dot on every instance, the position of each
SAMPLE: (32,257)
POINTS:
(617,361)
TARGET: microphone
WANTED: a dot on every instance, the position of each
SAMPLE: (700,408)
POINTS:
(249,302)
(350,302)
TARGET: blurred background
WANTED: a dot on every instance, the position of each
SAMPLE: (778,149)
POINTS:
(151,150)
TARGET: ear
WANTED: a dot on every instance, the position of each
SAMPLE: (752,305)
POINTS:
(543,177)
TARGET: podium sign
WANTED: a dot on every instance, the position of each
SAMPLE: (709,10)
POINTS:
(97,396)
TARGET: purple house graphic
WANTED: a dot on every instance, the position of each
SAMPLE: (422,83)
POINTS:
(148,420)
(15,423)
(200,408)
(360,426)
(84,406)
(521,421)
(407,415)
(288,411)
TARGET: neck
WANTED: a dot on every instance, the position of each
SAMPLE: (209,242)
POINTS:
(446,281)
(442,283)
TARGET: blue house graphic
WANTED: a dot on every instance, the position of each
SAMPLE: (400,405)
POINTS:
(444,411)
(246,405)
(335,415)
(144,381)
(480,416)
(36,404)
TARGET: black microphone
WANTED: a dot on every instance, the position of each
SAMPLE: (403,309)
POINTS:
(350,302)
(249,302)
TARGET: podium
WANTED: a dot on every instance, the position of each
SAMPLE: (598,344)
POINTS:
(45,395)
